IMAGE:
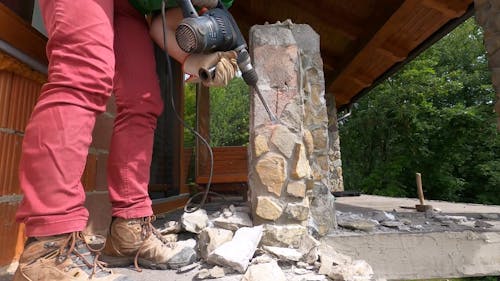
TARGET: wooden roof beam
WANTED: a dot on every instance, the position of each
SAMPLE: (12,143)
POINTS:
(450,9)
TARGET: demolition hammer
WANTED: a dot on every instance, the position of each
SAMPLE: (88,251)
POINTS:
(216,30)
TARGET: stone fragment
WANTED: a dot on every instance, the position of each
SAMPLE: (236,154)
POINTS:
(381,216)
(264,272)
(188,267)
(261,146)
(267,208)
(284,140)
(296,188)
(301,168)
(171,227)
(298,211)
(236,254)
(392,224)
(490,216)
(341,267)
(210,238)
(284,254)
(482,224)
(195,222)
(309,247)
(233,222)
(271,170)
(188,253)
(358,224)
(289,235)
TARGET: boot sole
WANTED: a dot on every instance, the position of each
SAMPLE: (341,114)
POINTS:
(128,261)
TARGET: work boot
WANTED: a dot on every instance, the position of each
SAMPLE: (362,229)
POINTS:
(63,258)
(136,241)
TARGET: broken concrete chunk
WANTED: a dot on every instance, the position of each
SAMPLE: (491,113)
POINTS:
(210,238)
(264,272)
(360,224)
(267,208)
(195,222)
(309,248)
(357,270)
(381,216)
(236,254)
(171,227)
(289,235)
(285,254)
(234,222)
(482,224)
(392,224)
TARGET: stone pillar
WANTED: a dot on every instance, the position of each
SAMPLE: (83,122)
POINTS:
(488,16)
(336,179)
(289,164)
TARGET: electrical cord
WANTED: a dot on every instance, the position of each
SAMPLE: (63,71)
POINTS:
(192,130)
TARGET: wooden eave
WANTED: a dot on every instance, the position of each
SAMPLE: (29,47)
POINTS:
(364,40)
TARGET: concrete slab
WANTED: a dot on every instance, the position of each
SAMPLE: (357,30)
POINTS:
(450,242)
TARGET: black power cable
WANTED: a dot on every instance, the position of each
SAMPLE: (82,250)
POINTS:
(192,130)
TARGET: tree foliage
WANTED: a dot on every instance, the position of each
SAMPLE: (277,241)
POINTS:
(435,117)
(229,114)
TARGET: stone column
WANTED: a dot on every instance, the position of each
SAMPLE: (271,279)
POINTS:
(488,16)
(289,164)
(336,179)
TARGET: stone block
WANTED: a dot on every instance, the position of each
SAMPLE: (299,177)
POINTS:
(268,208)
(210,238)
(261,146)
(271,170)
(284,140)
(289,235)
(296,188)
(301,168)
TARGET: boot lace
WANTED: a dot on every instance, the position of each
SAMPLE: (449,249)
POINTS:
(86,259)
(147,231)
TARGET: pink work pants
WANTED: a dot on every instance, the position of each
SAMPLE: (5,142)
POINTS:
(95,47)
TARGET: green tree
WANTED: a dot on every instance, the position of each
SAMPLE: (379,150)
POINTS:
(435,117)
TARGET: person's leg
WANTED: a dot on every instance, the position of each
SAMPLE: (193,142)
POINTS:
(57,138)
(132,238)
(139,104)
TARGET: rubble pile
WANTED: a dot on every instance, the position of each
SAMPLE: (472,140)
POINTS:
(228,244)
(432,220)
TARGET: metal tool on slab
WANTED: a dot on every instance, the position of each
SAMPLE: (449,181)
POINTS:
(422,207)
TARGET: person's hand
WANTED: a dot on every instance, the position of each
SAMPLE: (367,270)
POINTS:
(205,3)
(217,68)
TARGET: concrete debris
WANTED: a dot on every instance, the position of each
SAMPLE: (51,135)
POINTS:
(283,235)
(236,254)
(309,248)
(482,224)
(234,221)
(490,216)
(264,272)
(284,253)
(170,237)
(393,224)
(343,268)
(214,272)
(188,267)
(383,216)
(360,224)
(170,227)
(210,238)
(195,222)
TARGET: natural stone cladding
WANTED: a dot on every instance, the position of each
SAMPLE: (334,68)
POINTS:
(488,16)
(290,164)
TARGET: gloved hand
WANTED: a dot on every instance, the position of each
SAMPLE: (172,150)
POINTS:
(205,3)
(224,63)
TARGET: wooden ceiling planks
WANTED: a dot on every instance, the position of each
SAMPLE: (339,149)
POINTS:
(360,40)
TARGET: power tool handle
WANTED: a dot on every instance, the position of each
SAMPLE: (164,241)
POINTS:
(188,10)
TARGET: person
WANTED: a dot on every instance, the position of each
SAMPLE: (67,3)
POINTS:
(95,48)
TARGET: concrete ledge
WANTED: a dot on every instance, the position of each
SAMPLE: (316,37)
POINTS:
(423,255)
